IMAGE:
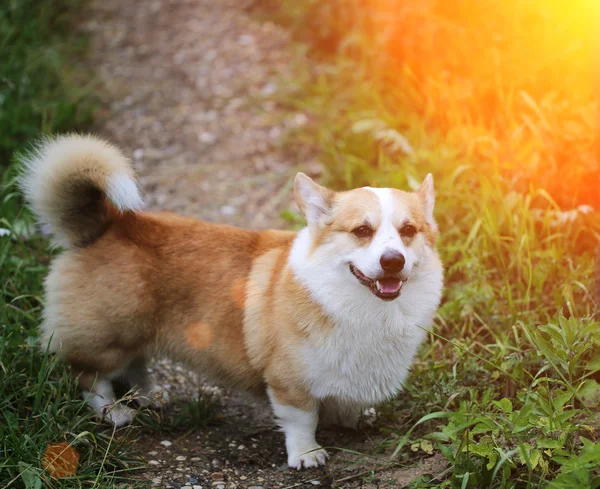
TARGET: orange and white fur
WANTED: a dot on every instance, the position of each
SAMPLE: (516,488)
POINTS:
(326,321)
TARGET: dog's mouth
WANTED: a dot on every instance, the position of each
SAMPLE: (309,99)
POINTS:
(386,288)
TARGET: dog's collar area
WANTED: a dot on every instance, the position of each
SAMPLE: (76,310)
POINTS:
(385,288)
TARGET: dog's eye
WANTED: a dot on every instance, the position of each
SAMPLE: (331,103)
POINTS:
(363,231)
(408,230)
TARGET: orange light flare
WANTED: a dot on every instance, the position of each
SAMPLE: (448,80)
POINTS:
(523,76)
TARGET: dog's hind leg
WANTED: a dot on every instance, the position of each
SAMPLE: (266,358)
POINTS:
(336,413)
(99,394)
(146,393)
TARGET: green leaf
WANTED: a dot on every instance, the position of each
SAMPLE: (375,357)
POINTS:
(504,404)
(548,443)
(30,476)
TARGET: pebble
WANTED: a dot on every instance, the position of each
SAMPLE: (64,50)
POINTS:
(217,476)
(207,137)
(241,447)
(156,481)
(153,462)
(166,443)
(193,480)
(243,478)
(180,458)
(245,39)
(315,483)
(228,210)
(196,487)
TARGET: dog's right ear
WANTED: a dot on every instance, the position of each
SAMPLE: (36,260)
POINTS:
(313,200)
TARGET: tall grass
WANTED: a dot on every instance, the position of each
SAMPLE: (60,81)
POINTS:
(511,82)
(496,100)
(41,91)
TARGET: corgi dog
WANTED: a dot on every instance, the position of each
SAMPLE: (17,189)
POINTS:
(325,321)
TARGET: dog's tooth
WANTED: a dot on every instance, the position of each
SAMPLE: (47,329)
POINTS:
(378,285)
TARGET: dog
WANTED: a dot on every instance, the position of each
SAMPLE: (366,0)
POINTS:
(325,321)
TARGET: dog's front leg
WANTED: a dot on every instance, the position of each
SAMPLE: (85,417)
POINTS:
(298,417)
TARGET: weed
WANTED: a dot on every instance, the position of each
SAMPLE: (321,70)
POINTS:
(47,437)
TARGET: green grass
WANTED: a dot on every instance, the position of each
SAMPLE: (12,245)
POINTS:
(507,387)
(40,92)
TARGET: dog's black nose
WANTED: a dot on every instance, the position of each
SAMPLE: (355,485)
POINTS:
(392,261)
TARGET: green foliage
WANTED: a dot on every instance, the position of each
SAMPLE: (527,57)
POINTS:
(40,90)
(40,406)
(507,387)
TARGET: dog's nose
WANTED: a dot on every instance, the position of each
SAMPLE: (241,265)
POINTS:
(392,261)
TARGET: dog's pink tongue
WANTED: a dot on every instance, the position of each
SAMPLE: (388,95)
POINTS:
(389,285)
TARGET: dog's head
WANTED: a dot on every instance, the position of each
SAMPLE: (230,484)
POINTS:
(374,236)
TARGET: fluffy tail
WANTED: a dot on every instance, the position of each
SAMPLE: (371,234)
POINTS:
(75,184)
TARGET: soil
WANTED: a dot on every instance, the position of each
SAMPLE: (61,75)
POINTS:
(188,90)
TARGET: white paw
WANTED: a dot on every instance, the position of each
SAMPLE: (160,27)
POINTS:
(308,459)
(157,398)
(118,415)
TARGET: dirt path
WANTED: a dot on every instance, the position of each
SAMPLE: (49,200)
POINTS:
(187,91)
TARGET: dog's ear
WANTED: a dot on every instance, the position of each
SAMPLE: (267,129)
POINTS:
(427,195)
(313,200)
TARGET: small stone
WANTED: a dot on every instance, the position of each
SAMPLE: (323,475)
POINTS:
(156,481)
(154,452)
(241,447)
(245,39)
(153,462)
(315,483)
(207,137)
(193,480)
(300,119)
(243,478)
(166,443)
(228,210)
(180,458)
(260,479)
(196,487)
(217,476)
(269,89)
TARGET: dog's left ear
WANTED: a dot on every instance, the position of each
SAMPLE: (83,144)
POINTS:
(313,200)
(427,195)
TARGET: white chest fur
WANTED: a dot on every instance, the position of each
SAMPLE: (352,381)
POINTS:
(362,363)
